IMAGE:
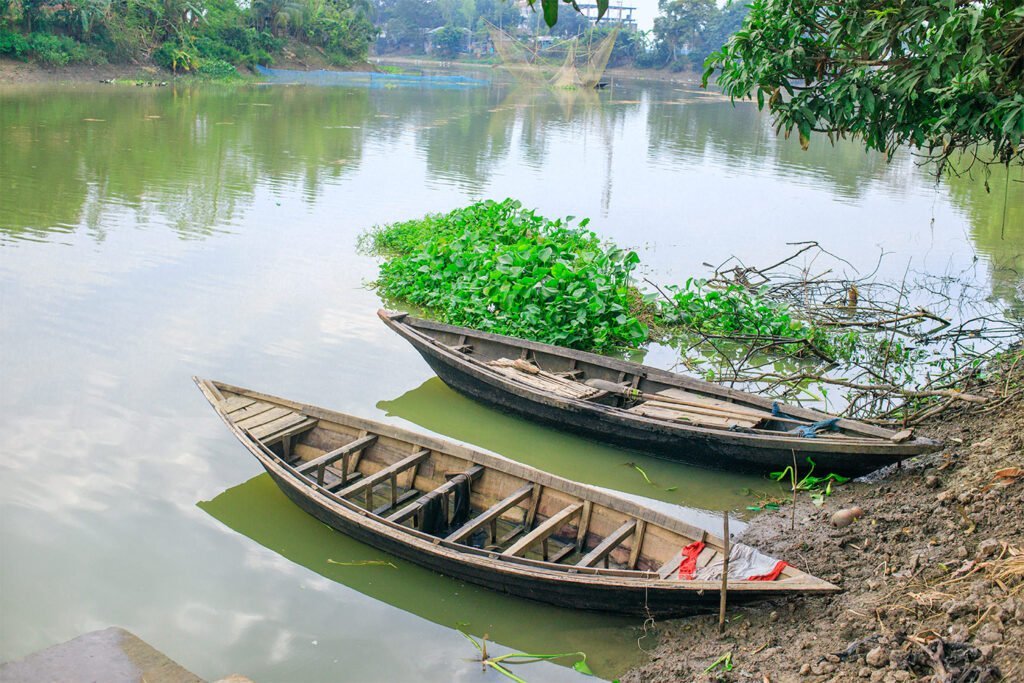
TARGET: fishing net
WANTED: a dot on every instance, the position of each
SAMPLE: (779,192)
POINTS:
(516,57)
(567,76)
(526,63)
(597,61)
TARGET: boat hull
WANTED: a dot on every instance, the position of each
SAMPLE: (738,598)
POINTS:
(642,601)
(715,449)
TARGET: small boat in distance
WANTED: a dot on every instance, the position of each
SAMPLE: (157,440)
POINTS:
(643,408)
(488,520)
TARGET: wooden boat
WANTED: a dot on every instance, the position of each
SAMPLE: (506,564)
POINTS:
(491,521)
(643,408)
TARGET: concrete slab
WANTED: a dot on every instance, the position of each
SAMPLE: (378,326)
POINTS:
(112,655)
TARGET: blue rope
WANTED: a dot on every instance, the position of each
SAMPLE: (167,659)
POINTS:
(808,431)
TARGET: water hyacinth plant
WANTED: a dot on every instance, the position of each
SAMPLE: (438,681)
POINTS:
(499,267)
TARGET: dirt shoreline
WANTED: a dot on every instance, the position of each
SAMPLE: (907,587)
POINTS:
(17,72)
(932,577)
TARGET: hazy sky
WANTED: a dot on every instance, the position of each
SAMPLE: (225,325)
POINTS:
(645,12)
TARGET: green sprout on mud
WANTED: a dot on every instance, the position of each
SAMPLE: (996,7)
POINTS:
(500,663)
(818,487)
(724,662)
(809,482)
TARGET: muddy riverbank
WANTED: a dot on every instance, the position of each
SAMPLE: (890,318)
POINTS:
(932,576)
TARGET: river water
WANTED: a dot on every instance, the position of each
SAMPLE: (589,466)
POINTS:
(152,234)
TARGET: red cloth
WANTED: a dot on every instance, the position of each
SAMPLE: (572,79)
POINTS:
(772,575)
(688,566)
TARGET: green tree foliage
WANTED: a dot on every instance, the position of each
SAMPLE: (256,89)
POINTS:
(681,24)
(687,31)
(943,76)
(404,24)
(182,34)
(448,41)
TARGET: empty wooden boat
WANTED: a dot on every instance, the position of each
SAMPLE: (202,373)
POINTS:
(644,408)
(491,521)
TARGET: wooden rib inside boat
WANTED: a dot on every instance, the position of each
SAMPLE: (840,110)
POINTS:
(489,520)
(645,408)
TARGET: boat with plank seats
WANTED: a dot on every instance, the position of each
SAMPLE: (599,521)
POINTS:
(488,520)
(644,408)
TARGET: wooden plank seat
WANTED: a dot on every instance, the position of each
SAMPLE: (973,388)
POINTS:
(702,410)
(523,371)
(277,429)
(390,472)
(472,474)
(610,543)
(491,514)
(544,529)
(343,453)
(234,403)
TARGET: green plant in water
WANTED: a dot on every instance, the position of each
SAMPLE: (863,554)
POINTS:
(501,662)
(501,268)
(364,563)
(819,487)
(736,311)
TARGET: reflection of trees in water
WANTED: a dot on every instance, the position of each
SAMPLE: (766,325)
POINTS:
(695,127)
(997,227)
(468,136)
(740,136)
(191,157)
(463,136)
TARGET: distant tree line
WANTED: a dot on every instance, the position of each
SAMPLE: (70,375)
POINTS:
(684,33)
(209,37)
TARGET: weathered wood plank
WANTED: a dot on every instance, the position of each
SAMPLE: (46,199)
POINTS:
(250,411)
(411,509)
(275,426)
(235,403)
(610,543)
(544,529)
(491,513)
(298,428)
(386,473)
(337,454)
(400,500)
(251,423)
(638,542)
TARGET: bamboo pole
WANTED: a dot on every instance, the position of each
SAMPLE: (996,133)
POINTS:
(725,571)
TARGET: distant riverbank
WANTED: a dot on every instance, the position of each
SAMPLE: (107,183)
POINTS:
(16,71)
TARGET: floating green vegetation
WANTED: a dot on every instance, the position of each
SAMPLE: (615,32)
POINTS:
(499,267)
(501,663)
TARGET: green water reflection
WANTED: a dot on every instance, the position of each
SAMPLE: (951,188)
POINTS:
(260,511)
(436,407)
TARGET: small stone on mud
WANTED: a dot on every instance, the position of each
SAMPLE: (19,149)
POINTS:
(877,657)
(988,548)
(805,669)
(931,481)
(846,517)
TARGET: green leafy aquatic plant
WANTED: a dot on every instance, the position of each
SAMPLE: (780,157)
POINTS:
(499,267)
(502,662)
(733,311)
(819,487)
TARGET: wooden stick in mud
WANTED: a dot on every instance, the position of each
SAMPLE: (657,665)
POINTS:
(725,571)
